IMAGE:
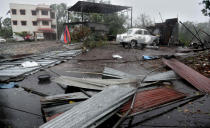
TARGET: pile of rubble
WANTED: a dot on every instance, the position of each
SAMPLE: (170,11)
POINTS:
(118,96)
(115,99)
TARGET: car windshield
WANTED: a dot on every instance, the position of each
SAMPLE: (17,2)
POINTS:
(129,31)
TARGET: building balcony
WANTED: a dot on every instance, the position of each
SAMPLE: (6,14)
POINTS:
(44,19)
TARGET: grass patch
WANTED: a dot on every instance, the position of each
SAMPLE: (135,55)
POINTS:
(94,44)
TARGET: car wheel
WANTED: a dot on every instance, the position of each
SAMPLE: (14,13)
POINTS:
(133,44)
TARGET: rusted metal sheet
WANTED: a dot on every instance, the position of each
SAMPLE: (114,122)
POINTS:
(199,81)
(87,113)
(152,98)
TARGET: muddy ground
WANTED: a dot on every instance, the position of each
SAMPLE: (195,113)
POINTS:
(29,47)
(194,114)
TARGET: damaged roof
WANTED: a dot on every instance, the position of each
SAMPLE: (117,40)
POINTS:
(90,7)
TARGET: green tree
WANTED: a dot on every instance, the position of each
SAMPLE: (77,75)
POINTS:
(7,22)
(61,16)
(1,22)
(206,9)
(143,21)
(186,37)
(116,23)
(6,29)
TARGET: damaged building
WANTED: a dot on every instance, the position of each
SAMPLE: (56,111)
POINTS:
(168,31)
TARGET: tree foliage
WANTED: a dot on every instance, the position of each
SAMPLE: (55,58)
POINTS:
(206,9)
(186,37)
(6,29)
(7,22)
(116,23)
(143,21)
(61,16)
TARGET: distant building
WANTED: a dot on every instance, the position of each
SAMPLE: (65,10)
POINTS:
(34,19)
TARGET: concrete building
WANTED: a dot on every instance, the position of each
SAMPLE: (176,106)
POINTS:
(34,19)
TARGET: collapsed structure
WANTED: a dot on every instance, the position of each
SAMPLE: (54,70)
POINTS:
(168,31)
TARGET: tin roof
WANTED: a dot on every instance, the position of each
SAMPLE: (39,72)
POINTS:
(199,81)
(90,7)
(152,98)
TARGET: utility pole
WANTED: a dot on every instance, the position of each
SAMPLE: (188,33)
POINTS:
(131,17)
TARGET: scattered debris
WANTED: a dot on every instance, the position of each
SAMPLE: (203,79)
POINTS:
(169,75)
(110,73)
(200,62)
(7,85)
(92,110)
(13,69)
(44,78)
(152,98)
(29,64)
(91,83)
(152,47)
(199,81)
(64,97)
(144,57)
(117,57)
(152,113)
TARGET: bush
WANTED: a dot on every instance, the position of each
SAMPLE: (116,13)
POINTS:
(6,32)
(80,33)
(94,44)
(22,34)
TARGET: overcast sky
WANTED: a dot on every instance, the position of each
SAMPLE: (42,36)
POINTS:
(186,10)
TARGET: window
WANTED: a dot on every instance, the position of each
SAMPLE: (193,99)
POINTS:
(44,12)
(33,12)
(22,12)
(34,23)
(52,15)
(23,23)
(146,33)
(45,23)
(14,11)
(139,32)
(53,26)
(14,22)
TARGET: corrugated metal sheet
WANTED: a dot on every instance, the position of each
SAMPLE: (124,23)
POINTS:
(199,81)
(169,75)
(68,96)
(152,98)
(13,68)
(53,110)
(92,83)
(116,74)
(88,112)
